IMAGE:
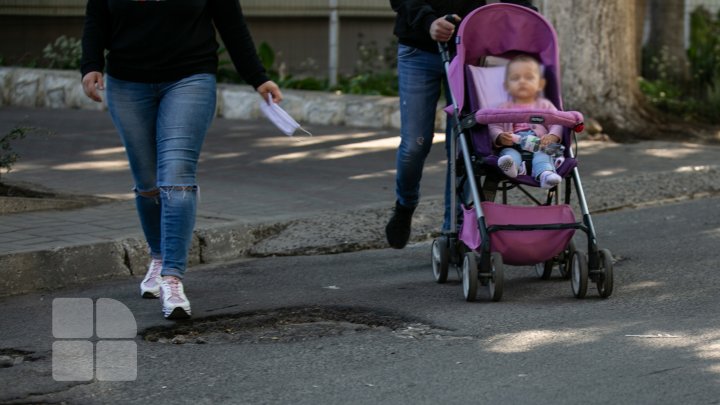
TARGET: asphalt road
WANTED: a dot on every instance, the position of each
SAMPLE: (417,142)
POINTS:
(372,327)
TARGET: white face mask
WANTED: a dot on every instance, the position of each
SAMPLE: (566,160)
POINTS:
(280,118)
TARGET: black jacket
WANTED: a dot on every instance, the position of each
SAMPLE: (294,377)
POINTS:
(162,41)
(414,17)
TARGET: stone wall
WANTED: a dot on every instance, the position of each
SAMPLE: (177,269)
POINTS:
(62,89)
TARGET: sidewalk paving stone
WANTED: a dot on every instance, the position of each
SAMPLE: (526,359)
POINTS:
(263,193)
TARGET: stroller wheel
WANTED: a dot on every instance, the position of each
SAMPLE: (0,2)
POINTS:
(605,279)
(470,276)
(544,270)
(495,285)
(566,261)
(440,256)
(579,276)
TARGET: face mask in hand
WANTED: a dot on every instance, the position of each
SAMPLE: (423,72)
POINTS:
(280,118)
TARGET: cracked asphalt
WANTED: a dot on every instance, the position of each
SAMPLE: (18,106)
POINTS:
(317,311)
(373,327)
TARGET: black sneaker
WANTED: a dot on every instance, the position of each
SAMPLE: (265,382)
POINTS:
(397,230)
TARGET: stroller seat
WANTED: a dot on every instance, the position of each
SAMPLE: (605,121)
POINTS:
(486,91)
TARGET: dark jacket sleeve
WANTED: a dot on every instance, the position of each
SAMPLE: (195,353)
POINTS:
(95,36)
(418,14)
(230,23)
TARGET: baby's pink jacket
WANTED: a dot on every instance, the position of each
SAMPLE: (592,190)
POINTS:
(540,130)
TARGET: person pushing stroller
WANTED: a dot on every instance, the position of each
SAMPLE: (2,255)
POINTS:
(524,83)
(419,26)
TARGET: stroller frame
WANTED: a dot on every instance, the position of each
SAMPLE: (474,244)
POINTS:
(485,266)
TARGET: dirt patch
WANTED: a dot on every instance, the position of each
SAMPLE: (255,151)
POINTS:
(10,190)
(18,198)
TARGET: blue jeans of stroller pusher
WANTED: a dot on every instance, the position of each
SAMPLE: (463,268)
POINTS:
(163,126)
(421,74)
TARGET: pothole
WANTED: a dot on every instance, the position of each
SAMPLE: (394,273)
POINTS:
(287,325)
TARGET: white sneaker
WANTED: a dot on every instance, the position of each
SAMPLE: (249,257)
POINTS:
(549,179)
(150,286)
(175,303)
(507,165)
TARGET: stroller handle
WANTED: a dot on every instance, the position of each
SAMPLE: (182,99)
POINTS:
(442,46)
(568,119)
(454,134)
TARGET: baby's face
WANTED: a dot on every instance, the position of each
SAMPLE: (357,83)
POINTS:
(523,81)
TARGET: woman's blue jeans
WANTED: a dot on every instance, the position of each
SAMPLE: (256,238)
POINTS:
(162,126)
(420,75)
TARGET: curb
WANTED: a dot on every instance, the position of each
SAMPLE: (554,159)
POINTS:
(61,267)
(331,233)
(51,269)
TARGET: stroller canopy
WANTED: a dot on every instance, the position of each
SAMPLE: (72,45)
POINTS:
(505,30)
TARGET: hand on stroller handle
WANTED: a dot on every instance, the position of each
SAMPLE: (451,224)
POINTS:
(452,18)
(443,28)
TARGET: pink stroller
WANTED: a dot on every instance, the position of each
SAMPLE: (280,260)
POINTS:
(491,234)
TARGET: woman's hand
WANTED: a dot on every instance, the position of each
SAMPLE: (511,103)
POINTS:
(92,82)
(269,87)
(441,30)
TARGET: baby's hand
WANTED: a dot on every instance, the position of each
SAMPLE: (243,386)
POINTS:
(548,139)
(505,138)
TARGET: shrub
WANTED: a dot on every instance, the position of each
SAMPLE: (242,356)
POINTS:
(8,156)
(375,71)
(64,53)
(704,51)
(700,98)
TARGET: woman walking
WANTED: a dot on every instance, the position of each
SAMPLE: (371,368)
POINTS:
(160,76)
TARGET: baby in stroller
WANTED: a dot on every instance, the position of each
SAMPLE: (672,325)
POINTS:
(524,83)
(490,235)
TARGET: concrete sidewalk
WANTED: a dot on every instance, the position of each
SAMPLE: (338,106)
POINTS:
(263,193)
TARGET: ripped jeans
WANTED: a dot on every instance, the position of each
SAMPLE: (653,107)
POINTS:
(163,126)
(421,75)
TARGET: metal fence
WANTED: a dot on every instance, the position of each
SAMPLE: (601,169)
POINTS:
(253,8)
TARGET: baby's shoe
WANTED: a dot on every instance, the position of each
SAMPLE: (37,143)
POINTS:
(507,165)
(549,179)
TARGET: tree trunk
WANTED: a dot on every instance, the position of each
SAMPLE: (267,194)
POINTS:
(666,43)
(599,46)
